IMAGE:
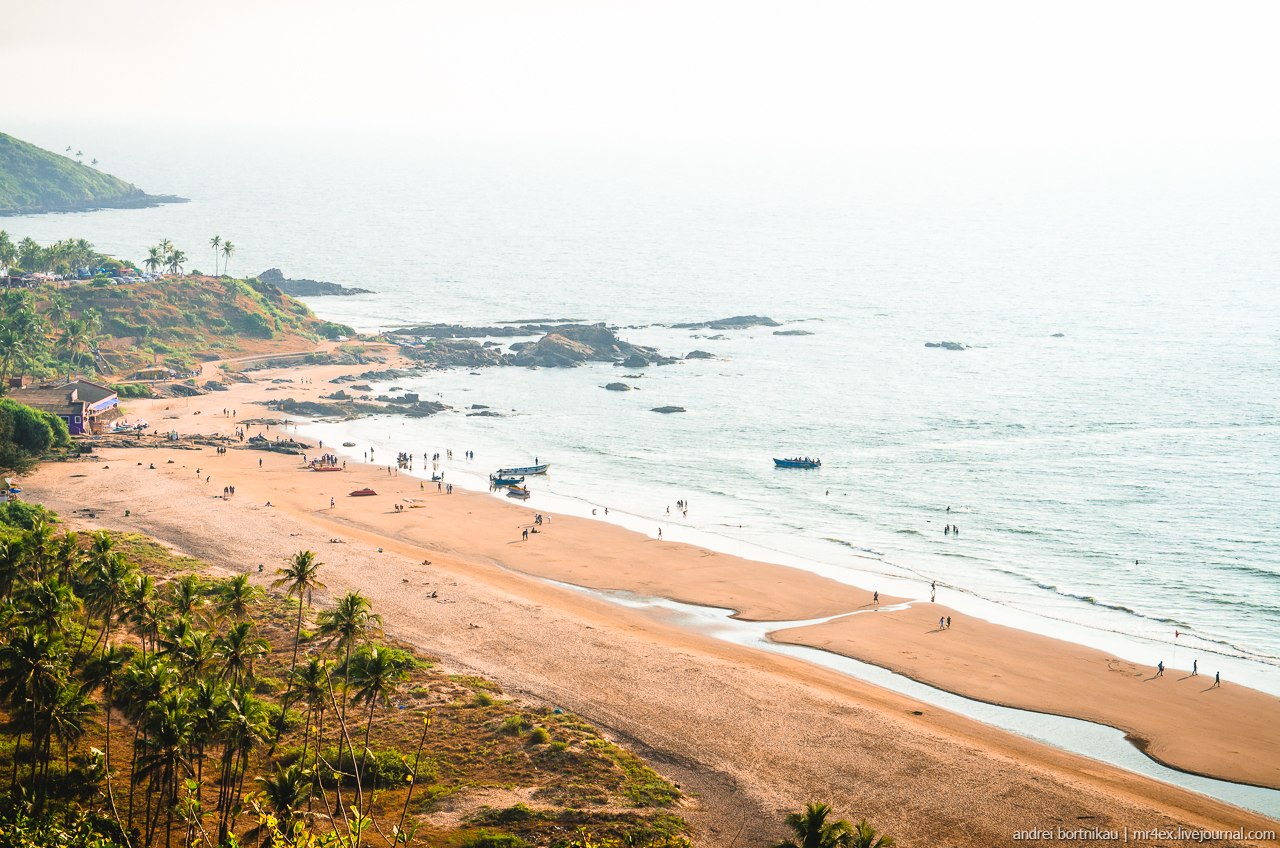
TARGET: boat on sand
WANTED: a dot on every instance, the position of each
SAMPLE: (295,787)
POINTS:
(361,493)
(505,481)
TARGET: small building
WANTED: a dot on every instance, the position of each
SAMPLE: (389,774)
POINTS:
(85,406)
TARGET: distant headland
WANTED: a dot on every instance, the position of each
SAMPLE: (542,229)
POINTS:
(34,180)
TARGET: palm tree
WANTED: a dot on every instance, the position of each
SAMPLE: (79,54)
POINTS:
(865,836)
(155,259)
(377,672)
(352,621)
(812,830)
(110,577)
(106,672)
(144,683)
(187,595)
(59,309)
(237,597)
(47,604)
(238,650)
(227,249)
(176,260)
(244,725)
(70,716)
(308,685)
(287,790)
(298,579)
(215,243)
(142,609)
(33,669)
(166,758)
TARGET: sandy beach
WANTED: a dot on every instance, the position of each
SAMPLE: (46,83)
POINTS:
(749,735)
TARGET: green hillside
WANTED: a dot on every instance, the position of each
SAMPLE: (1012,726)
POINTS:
(179,321)
(36,180)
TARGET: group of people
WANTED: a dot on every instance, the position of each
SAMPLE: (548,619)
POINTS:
(951,530)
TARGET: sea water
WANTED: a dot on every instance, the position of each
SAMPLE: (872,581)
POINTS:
(1108,444)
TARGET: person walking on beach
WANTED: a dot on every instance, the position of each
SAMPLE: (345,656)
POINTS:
(659,534)
(875,598)
(330,503)
(1217,680)
(941,622)
(1195,668)
(1160,669)
(526,534)
(948,622)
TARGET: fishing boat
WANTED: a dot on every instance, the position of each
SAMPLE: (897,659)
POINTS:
(518,492)
(348,444)
(361,493)
(505,481)
(798,462)
(521,472)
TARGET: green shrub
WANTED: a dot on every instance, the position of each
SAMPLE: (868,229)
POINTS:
(482,699)
(539,736)
(133,390)
(26,434)
(514,725)
(23,515)
(330,330)
(493,839)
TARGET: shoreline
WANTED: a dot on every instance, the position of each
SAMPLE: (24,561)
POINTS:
(637,504)
(1139,648)
(458,535)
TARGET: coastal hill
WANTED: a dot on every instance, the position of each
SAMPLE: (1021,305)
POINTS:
(34,180)
(177,322)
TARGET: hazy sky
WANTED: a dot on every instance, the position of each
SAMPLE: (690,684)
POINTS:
(833,73)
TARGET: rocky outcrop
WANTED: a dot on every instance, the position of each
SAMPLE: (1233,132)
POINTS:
(452,353)
(305,288)
(215,386)
(667,410)
(575,344)
(947,345)
(617,387)
(737,322)
(462,331)
(792,333)
(699,354)
(356,409)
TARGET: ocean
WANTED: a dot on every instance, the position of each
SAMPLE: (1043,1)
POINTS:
(1108,443)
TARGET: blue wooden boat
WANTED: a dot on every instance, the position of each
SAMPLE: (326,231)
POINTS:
(505,481)
(518,492)
(521,472)
(798,462)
